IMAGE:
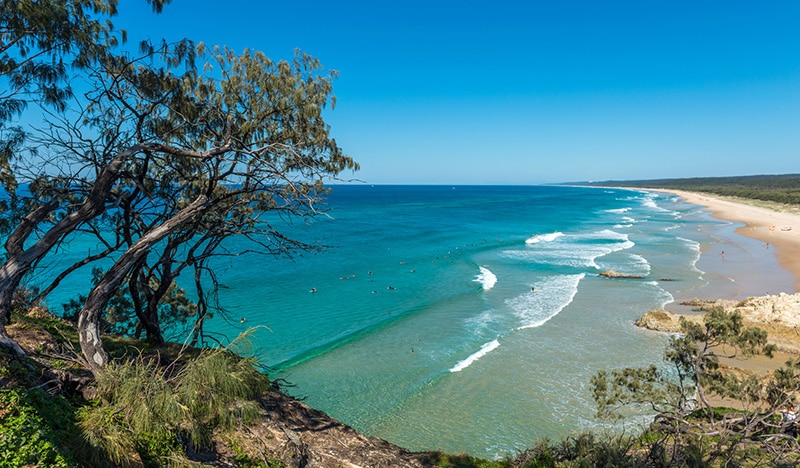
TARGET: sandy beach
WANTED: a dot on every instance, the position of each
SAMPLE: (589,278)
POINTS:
(778,228)
(774,225)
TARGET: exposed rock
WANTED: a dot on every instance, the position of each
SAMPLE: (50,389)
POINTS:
(660,320)
(781,310)
(616,274)
(301,436)
(778,314)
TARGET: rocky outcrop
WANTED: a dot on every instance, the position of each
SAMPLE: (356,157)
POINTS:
(778,314)
(301,436)
(780,310)
(660,320)
(616,274)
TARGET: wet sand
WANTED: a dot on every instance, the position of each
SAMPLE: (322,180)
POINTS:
(776,226)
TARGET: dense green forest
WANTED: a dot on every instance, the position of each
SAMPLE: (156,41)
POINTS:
(784,188)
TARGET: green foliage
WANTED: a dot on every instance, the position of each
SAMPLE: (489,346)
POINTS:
(444,460)
(37,37)
(585,449)
(678,392)
(693,370)
(218,390)
(622,388)
(120,314)
(152,410)
(35,429)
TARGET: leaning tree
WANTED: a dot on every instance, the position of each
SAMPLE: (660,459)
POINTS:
(200,154)
(180,158)
(42,43)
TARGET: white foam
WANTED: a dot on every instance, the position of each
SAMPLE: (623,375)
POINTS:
(628,263)
(695,247)
(486,278)
(618,210)
(606,234)
(640,264)
(480,322)
(649,202)
(535,239)
(485,349)
(664,295)
(550,297)
(575,250)
(612,241)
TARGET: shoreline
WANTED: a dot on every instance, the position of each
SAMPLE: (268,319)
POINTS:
(779,230)
(775,313)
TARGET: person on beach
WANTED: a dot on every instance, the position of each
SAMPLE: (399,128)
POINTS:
(789,421)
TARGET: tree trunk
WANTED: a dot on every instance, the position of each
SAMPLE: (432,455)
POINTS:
(202,307)
(145,312)
(18,263)
(149,317)
(89,316)
(20,260)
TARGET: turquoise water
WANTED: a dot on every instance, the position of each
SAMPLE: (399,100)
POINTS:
(418,324)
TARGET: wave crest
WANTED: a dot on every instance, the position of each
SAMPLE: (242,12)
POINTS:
(485,349)
(536,238)
(486,278)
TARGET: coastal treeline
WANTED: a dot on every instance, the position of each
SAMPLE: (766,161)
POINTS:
(783,188)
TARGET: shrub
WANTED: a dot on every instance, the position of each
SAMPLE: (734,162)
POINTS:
(150,411)
(35,429)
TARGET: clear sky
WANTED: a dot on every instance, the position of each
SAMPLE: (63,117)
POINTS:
(528,92)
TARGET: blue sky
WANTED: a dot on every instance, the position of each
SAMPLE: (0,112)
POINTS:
(529,92)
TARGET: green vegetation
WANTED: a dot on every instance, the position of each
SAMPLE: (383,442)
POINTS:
(783,189)
(138,410)
(150,410)
(35,429)
(685,423)
(181,146)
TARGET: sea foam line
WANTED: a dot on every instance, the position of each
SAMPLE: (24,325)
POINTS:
(618,210)
(535,239)
(485,349)
(534,309)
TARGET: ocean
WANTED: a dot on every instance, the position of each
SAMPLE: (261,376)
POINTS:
(470,319)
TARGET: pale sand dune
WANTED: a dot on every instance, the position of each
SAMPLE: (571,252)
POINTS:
(767,222)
